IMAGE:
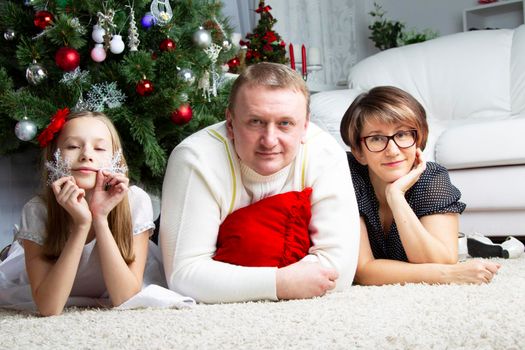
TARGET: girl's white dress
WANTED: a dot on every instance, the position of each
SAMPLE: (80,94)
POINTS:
(89,288)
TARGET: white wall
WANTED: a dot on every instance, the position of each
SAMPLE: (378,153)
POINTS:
(443,16)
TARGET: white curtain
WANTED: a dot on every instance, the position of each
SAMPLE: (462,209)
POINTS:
(241,14)
(329,25)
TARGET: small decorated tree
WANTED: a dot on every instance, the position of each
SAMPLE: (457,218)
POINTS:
(263,45)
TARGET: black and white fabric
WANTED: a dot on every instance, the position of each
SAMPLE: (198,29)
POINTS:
(433,193)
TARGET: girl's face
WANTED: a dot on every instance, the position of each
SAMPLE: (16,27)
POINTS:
(393,162)
(86,144)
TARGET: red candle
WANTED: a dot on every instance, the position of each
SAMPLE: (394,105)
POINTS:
(303,56)
(292,57)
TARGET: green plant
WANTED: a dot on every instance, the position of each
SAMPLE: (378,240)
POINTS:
(387,34)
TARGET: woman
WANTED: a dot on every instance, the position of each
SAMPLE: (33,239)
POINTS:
(409,209)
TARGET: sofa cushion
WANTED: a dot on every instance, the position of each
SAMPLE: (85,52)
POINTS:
(482,144)
(327,109)
(458,76)
(491,189)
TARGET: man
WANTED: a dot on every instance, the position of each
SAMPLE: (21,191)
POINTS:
(265,147)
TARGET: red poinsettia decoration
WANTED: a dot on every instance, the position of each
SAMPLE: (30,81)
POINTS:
(56,124)
(269,37)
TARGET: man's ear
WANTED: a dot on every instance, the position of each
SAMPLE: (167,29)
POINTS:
(305,131)
(229,121)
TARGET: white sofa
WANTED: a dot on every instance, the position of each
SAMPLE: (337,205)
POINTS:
(472,86)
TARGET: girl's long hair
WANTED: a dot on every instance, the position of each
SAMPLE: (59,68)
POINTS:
(59,222)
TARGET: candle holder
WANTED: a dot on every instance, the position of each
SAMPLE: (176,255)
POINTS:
(309,69)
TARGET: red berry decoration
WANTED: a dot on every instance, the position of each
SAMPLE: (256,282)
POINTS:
(182,115)
(67,58)
(167,45)
(233,63)
(144,87)
(42,19)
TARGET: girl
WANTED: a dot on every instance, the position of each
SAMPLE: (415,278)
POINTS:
(409,209)
(86,237)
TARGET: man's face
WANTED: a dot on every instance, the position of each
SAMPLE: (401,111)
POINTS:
(267,127)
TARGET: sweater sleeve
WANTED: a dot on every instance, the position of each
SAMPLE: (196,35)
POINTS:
(334,226)
(192,200)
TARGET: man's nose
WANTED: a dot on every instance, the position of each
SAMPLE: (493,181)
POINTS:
(269,137)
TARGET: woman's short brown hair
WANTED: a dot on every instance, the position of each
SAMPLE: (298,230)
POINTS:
(385,104)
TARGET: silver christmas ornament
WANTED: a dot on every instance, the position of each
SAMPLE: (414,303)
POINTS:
(186,75)
(161,10)
(184,97)
(25,129)
(35,73)
(202,38)
(9,34)
(226,45)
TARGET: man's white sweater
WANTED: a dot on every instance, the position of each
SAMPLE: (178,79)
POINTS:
(205,181)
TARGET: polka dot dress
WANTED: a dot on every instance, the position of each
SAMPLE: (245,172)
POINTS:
(432,194)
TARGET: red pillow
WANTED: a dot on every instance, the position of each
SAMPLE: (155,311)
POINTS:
(271,232)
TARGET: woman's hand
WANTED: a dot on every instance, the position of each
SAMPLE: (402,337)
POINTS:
(110,189)
(404,183)
(473,272)
(72,199)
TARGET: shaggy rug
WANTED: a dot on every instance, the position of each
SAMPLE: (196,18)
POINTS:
(413,316)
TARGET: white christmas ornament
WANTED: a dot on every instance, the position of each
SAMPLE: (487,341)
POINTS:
(116,45)
(25,129)
(98,34)
(98,54)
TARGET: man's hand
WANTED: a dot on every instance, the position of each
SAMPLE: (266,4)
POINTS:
(303,280)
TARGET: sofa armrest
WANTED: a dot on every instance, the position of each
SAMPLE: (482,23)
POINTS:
(328,107)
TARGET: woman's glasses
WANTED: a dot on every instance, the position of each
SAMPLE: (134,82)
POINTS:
(378,143)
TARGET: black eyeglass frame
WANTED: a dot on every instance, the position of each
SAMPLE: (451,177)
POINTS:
(391,137)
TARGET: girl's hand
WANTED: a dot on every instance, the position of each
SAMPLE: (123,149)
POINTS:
(404,183)
(72,199)
(110,189)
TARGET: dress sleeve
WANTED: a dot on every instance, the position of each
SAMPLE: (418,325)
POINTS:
(33,221)
(141,210)
(434,193)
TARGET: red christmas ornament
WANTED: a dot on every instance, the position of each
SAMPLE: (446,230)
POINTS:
(144,87)
(67,58)
(167,45)
(42,19)
(182,115)
(233,63)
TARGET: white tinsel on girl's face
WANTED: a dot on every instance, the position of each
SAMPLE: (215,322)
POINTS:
(116,166)
(61,167)
(57,168)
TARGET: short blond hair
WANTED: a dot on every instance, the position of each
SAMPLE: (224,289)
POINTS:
(269,75)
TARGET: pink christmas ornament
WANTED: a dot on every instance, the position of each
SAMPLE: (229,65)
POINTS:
(98,54)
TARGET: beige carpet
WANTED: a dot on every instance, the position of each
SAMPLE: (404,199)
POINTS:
(390,317)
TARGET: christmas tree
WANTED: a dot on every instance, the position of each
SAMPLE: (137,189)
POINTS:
(155,68)
(263,45)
